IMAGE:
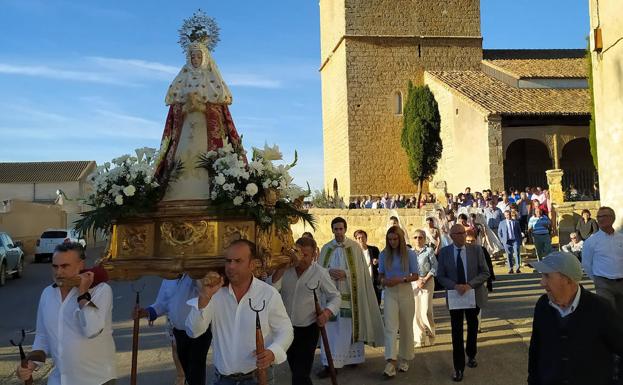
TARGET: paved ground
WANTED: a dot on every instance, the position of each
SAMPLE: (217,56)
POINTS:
(502,356)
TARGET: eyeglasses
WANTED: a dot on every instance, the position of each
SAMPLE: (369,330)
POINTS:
(418,237)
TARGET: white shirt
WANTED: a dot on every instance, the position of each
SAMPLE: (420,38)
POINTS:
(602,255)
(504,206)
(299,299)
(233,326)
(568,310)
(78,340)
(366,255)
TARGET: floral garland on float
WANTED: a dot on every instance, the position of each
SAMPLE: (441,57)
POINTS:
(261,188)
(123,187)
(126,187)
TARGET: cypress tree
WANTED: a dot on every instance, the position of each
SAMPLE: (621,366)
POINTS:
(421,138)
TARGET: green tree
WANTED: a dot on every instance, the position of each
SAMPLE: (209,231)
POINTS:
(421,138)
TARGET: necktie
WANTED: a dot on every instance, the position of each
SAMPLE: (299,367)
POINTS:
(511,233)
(460,269)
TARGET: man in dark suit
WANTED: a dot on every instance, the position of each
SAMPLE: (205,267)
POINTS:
(575,333)
(509,233)
(463,268)
(372,254)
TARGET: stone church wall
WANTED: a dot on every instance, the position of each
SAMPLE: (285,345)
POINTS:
(376,69)
(373,222)
(383,50)
(413,17)
(335,122)
(467,136)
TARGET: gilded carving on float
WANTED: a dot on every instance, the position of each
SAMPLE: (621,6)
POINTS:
(235,232)
(183,233)
(189,238)
(135,240)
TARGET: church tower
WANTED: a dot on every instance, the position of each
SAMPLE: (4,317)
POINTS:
(370,49)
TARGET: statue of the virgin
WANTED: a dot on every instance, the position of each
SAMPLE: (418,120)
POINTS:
(199,119)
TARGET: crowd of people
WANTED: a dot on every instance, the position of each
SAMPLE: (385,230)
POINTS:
(391,202)
(368,295)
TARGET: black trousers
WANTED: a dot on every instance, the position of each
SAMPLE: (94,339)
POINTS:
(193,353)
(458,350)
(301,353)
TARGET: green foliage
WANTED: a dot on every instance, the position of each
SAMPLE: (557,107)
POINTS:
(320,199)
(592,136)
(421,138)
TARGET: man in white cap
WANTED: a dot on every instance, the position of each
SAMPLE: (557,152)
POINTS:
(574,332)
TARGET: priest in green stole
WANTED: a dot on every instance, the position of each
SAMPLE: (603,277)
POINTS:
(359,320)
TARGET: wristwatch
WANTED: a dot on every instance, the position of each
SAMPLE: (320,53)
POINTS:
(86,296)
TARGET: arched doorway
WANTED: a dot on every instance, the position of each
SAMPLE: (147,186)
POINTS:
(577,164)
(525,164)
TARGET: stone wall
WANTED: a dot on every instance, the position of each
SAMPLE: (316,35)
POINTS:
(386,44)
(608,92)
(335,122)
(413,17)
(466,135)
(332,26)
(376,70)
(373,222)
(27,220)
(568,215)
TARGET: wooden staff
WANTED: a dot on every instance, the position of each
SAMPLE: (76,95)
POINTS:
(135,330)
(325,339)
(262,376)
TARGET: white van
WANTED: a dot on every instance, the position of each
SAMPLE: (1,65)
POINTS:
(53,237)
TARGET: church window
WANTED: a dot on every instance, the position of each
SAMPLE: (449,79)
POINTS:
(398,103)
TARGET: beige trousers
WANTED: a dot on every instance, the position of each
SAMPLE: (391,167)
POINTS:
(398,311)
(423,322)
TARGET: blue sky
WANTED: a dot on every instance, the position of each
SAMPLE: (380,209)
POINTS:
(87,79)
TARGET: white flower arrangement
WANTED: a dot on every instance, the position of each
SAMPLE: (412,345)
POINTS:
(124,186)
(261,188)
(233,180)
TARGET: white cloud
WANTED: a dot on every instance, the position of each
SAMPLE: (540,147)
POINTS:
(134,65)
(62,74)
(127,72)
(29,113)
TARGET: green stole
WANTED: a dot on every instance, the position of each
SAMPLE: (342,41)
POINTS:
(349,307)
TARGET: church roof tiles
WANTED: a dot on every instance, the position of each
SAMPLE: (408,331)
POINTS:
(39,172)
(538,63)
(496,97)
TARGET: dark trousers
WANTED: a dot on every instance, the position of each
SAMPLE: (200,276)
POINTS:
(458,350)
(193,353)
(301,353)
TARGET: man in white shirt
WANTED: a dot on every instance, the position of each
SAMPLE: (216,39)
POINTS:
(602,259)
(295,284)
(74,325)
(228,311)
